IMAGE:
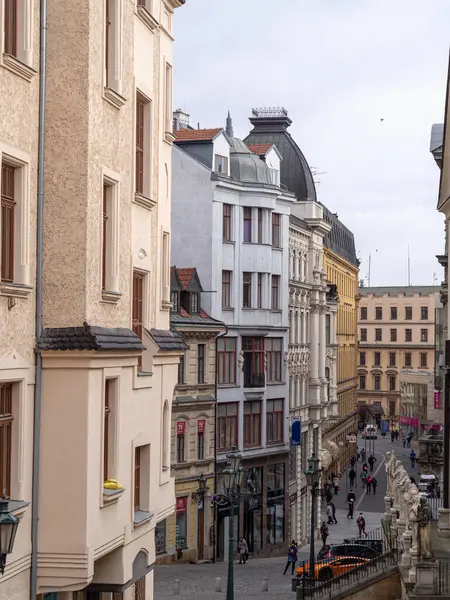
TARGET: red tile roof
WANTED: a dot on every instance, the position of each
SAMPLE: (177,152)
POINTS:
(259,149)
(196,135)
(185,276)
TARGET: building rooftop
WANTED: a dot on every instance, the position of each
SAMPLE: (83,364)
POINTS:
(260,149)
(404,290)
(89,337)
(197,135)
(340,239)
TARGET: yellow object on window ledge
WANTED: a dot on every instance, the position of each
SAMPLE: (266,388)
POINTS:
(112,484)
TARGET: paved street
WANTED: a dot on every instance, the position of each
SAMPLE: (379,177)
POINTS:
(197,582)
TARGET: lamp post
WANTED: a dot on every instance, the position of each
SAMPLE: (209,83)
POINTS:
(233,486)
(8,529)
(313,478)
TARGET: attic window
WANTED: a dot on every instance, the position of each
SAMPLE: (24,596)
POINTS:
(194,303)
(221,164)
(175,301)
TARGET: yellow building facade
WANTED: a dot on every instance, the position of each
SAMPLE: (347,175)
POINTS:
(344,275)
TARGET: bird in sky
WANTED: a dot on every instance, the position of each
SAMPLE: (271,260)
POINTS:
(381,120)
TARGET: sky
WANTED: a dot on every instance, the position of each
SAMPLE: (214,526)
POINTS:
(338,67)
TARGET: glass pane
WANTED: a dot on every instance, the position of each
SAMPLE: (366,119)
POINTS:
(232,409)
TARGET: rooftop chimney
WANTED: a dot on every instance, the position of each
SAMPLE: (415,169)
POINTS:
(180,120)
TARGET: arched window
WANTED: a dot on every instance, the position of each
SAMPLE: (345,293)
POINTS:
(165,436)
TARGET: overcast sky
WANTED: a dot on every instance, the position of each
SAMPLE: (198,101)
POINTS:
(338,67)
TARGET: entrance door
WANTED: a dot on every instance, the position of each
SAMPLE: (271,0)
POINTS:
(200,533)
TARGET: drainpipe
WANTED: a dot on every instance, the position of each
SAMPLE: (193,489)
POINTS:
(215,448)
(39,285)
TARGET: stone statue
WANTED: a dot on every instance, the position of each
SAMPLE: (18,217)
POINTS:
(241,360)
(413,501)
(389,466)
(404,487)
(265,362)
(423,519)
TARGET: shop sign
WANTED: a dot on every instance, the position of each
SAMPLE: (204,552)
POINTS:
(181,427)
(437,399)
(201,426)
(296,433)
(351,438)
(181,505)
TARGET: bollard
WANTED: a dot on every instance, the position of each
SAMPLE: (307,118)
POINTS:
(176,587)
(218,584)
(265,584)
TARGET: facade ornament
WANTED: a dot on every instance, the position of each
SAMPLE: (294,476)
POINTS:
(424,516)
(241,361)
(265,362)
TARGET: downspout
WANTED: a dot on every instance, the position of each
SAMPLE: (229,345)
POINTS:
(215,448)
(39,290)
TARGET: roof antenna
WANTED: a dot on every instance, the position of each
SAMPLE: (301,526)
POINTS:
(229,129)
(198,125)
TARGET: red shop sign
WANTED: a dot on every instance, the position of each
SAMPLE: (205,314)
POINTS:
(201,426)
(181,426)
(181,504)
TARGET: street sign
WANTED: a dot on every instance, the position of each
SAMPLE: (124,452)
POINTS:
(351,439)
(296,432)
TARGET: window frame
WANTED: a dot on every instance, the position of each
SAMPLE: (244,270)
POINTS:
(362,358)
(181,447)
(227,212)
(201,363)
(392,359)
(276,230)
(378,313)
(260,290)
(247,225)
(377,383)
(260,226)
(252,424)
(362,378)
(274,370)
(392,383)
(378,334)
(274,421)
(182,370)
(226,361)
(275,292)
(424,313)
(137,312)
(363,334)
(219,161)
(8,205)
(393,335)
(246,289)
(408,335)
(226,289)
(394,313)
(408,313)
(424,336)
(424,360)
(227,426)
(408,359)
(377,359)
(11,34)
(137,479)
(200,445)
(363,313)
(6,445)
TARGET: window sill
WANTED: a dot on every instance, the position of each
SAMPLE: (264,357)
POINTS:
(169,137)
(228,385)
(148,20)
(252,446)
(113,98)
(17,67)
(143,201)
(276,310)
(278,443)
(270,383)
(15,290)
(167,32)
(228,308)
(277,248)
(228,241)
(165,468)
(111,496)
(111,297)
(141,517)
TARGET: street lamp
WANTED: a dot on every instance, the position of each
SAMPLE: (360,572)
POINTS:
(8,529)
(313,474)
(200,493)
(233,493)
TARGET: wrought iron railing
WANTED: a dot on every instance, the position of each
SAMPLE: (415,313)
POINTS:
(435,504)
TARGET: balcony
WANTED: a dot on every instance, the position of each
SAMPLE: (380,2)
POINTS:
(254,380)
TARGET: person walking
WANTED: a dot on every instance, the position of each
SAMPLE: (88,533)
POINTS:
(412,480)
(408,440)
(371,460)
(328,495)
(365,467)
(352,462)
(352,476)
(324,532)
(412,458)
(351,499)
(291,557)
(243,551)
(368,484)
(330,514)
(333,508)
(358,455)
(361,523)
(363,477)
(374,485)
(363,454)
(336,485)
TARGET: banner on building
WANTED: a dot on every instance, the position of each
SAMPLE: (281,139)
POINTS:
(181,427)
(296,432)
(201,426)
(385,426)
(181,505)
(412,421)
(437,399)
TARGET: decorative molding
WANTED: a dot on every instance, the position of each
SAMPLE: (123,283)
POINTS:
(18,68)
(113,98)
(111,297)
(147,18)
(15,290)
(141,200)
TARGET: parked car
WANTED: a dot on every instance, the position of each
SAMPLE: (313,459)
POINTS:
(348,549)
(370,432)
(327,569)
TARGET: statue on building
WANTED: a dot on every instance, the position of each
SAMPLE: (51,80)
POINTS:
(241,361)
(413,501)
(265,362)
(424,516)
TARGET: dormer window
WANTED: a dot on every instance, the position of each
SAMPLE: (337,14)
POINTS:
(274,176)
(194,303)
(221,164)
(175,301)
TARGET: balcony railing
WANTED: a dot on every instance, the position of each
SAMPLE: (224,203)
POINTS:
(254,380)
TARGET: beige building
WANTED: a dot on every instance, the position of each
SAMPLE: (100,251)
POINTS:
(85,270)
(396,332)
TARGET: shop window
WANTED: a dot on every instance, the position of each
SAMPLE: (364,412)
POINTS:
(161,537)
(181,523)
(275,504)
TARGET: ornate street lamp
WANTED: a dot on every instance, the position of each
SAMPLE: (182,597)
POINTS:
(313,474)
(8,529)
(199,495)
(233,493)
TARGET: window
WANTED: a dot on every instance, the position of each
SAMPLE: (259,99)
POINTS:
(392,359)
(181,430)
(174,298)
(362,382)
(423,359)
(247,224)
(273,347)
(168,98)
(393,313)
(166,436)
(137,478)
(226,360)
(377,359)
(408,313)
(221,164)
(201,439)
(226,225)
(378,336)
(140,140)
(252,423)
(424,313)
(276,230)
(392,383)
(377,382)
(275,421)
(393,335)
(363,313)
(194,304)
(327,330)
(260,225)
(408,335)
(226,289)
(107,236)
(8,203)
(109,422)
(201,363)
(181,366)
(160,537)
(112,53)
(253,348)
(378,313)
(6,421)
(424,335)
(362,358)
(274,176)
(227,416)
(181,523)
(408,359)
(247,290)
(138,307)
(259,299)
(109,39)
(275,292)
(392,407)
(363,335)
(11,29)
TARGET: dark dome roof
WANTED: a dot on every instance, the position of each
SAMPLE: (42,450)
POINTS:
(270,126)
(246,166)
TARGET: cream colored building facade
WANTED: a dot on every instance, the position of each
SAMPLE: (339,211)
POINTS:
(396,335)
(109,361)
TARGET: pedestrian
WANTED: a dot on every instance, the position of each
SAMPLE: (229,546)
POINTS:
(412,480)
(363,454)
(365,467)
(412,458)
(392,436)
(358,455)
(333,508)
(330,514)
(363,477)
(408,440)
(328,495)
(368,484)
(291,556)
(404,442)
(374,485)
(324,532)
(361,522)
(351,499)
(243,551)
(352,476)
(371,460)
(336,485)
(352,462)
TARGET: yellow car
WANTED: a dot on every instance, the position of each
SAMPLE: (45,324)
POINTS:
(327,569)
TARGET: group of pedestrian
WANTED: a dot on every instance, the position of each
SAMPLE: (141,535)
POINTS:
(331,513)
(407,440)
(394,435)
(368,481)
